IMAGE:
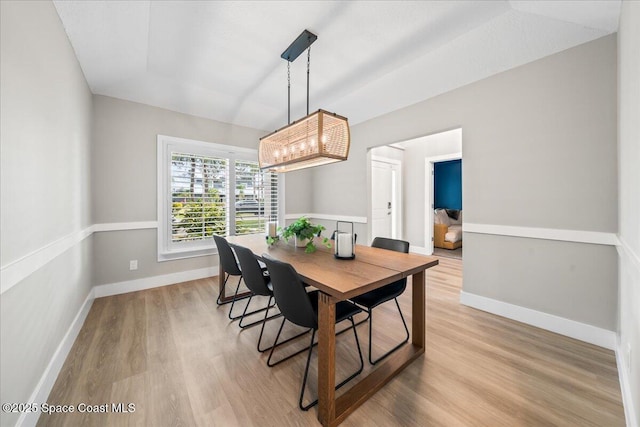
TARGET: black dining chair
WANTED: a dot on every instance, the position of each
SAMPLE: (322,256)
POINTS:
(230,266)
(392,291)
(301,308)
(258,283)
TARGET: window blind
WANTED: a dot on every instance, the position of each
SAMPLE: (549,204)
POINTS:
(207,189)
(256,195)
(199,196)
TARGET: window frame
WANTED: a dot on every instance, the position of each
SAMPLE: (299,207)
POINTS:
(168,250)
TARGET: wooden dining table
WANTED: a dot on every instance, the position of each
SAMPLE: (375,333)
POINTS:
(339,280)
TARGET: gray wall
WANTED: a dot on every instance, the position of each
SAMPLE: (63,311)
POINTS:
(45,142)
(124,182)
(298,191)
(539,150)
(629,204)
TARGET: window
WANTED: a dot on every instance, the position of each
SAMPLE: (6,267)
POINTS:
(206,189)
(256,197)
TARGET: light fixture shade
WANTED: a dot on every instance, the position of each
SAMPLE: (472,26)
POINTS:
(317,139)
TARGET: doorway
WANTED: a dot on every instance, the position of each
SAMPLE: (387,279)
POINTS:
(430,194)
(412,212)
(386,197)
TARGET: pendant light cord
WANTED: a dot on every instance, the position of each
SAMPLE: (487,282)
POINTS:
(288,92)
(308,67)
(289,85)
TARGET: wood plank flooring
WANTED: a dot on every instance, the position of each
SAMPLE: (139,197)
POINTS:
(173,353)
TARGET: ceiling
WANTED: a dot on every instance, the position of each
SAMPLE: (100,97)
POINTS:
(221,59)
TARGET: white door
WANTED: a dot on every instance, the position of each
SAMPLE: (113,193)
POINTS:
(383,199)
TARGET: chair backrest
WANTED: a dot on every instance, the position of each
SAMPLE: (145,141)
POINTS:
(227,258)
(391,244)
(290,294)
(251,271)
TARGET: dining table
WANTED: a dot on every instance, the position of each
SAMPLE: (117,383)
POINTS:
(339,280)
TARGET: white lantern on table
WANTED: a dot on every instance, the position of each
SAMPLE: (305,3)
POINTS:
(344,241)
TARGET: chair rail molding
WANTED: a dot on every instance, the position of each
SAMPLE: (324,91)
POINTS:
(329,217)
(123,226)
(577,236)
(624,250)
(13,273)
(16,271)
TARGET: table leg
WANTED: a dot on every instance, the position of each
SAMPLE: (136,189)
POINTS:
(223,294)
(332,411)
(326,359)
(418,331)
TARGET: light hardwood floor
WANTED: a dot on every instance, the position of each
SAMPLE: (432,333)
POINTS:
(174,354)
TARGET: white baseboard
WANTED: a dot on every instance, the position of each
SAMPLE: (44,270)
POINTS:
(560,325)
(625,388)
(153,282)
(48,379)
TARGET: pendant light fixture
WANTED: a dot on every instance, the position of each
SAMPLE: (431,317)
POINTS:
(317,139)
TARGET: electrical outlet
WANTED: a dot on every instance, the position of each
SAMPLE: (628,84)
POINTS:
(133,264)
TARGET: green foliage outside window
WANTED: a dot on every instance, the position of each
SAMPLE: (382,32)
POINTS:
(195,218)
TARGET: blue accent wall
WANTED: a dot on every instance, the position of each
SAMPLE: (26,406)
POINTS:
(447,178)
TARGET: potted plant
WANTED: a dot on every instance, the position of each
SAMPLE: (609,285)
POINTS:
(304,232)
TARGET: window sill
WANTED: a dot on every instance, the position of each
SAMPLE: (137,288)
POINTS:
(184,254)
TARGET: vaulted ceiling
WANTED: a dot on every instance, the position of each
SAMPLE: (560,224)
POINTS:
(221,59)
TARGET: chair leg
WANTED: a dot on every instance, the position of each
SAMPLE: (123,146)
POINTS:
(276,344)
(264,322)
(343,382)
(235,296)
(306,374)
(233,302)
(224,284)
(257,322)
(360,322)
(373,362)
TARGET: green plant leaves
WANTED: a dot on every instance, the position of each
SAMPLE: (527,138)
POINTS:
(302,228)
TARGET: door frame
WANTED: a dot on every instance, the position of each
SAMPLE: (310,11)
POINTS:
(397,210)
(428,195)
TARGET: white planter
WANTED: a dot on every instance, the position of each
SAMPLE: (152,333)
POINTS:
(301,243)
